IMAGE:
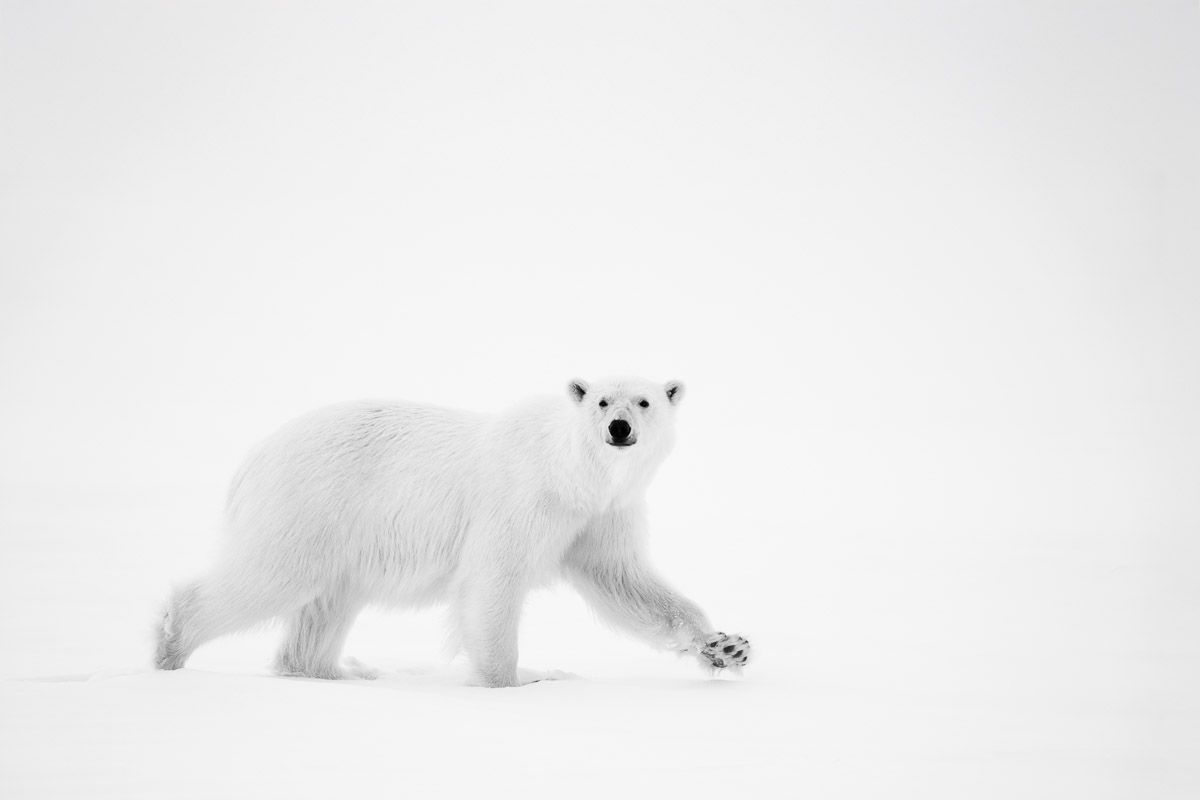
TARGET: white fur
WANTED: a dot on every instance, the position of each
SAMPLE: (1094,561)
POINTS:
(402,504)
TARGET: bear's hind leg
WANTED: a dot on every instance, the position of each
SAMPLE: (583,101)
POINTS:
(176,639)
(205,609)
(312,646)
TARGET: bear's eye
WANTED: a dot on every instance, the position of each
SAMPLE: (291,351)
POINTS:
(604,404)
(644,404)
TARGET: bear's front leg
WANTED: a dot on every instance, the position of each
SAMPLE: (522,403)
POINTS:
(606,563)
(489,612)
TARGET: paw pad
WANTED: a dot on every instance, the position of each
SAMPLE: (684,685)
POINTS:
(722,651)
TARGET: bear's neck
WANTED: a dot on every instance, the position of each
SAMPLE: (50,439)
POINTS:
(595,478)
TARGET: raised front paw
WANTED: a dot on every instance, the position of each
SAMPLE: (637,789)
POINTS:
(723,652)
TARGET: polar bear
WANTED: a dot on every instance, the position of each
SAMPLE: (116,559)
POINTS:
(400,504)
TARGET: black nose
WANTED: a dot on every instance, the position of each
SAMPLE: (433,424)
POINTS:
(619,430)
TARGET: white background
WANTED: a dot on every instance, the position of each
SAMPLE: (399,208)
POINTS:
(930,271)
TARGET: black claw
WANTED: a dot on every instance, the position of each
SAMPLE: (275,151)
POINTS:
(712,644)
(729,648)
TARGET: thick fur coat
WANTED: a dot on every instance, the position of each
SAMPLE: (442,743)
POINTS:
(400,504)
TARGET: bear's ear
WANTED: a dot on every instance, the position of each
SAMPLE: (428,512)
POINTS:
(576,389)
(674,391)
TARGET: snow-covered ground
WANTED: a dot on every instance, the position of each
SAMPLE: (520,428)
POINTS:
(885,670)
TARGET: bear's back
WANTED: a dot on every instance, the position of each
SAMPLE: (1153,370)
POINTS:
(354,477)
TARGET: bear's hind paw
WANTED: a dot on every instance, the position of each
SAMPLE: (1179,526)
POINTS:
(355,669)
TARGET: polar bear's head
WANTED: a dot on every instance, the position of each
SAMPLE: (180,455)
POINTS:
(628,415)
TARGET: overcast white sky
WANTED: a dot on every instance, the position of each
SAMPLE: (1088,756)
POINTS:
(888,216)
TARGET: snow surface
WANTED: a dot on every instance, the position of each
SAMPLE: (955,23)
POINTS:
(890,680)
